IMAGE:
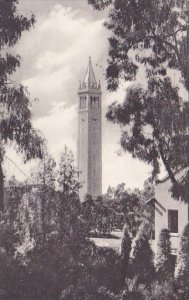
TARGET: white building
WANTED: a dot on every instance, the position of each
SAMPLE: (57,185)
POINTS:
(170,213)
(90,135)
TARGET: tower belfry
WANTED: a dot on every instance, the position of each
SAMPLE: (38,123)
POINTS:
(90,135)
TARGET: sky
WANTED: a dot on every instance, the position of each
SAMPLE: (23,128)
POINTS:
(55,55)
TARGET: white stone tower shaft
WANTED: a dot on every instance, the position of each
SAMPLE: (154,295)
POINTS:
(90,136)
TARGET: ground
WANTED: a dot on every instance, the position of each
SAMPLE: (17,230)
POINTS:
(110,242)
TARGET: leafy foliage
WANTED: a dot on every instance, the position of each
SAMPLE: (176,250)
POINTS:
(15,121)
(133,290)
(129,209)
(154,128)
(154,120)
(165,268)
(183,264)
(152,33)
(163,291)
(98,215)
(126,246)
(142,262)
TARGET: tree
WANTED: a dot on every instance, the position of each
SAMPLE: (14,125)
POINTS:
(60,250)
(164,266)
(154,120)
(154,129)
(67,174)
(69,204)
(148,189)
(134,290)
(42,197)
(105,265)
(126,246)
(129,208)
(163,291)
(183,265)
(87,212)
(142,261)
(152,33)
(15,121)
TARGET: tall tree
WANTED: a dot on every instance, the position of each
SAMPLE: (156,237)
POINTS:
(154,121)
(154,128)
(67,174)
(15,120)
(142,262)
(183,264)
(69,205)
(157,32)
(164,265)
(43,196)
(126,246)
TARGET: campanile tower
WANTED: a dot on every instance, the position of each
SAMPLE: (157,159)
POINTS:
(90,135)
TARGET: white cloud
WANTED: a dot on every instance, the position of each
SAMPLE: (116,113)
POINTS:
(59,128)
(55,56)
(67,40)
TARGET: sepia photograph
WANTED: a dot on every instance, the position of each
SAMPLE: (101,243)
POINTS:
(94,149)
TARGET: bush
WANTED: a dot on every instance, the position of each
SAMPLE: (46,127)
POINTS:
(183,265)
(164,266)
(142,261)
(125,253)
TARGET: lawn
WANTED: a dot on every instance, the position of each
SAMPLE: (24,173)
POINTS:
(114,243)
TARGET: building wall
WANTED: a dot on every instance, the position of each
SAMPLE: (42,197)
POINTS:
(165,202)
(95,151)
(82,151)
(90,144)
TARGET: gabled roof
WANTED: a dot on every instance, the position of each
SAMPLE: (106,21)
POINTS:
(151,200)
(167,176)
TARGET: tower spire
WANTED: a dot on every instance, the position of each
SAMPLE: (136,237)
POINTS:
(90,79)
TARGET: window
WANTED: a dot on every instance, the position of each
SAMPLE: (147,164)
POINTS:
(93,105)
(83,102)
(94,102)
(173,221)
(97,102)
(80,103)
(173,259)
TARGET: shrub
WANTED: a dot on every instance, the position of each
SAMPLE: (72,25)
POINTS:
(164,266)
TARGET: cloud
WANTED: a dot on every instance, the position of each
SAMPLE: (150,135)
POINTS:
(55,56)
(66,41)
(60,128)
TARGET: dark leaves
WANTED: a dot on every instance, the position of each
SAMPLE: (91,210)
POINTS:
(15,122)
(154,123)
(155,29)
(11,24)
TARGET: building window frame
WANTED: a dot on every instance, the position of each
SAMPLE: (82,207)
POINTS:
(173,221)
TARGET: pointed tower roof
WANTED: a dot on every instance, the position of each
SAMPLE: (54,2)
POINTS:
(90,76)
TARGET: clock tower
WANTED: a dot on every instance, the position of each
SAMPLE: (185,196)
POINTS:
(90,135)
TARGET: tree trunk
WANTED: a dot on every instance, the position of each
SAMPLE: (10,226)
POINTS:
(1,189)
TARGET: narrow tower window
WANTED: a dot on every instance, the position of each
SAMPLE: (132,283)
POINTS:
(83,102)
(80,103)
(98,102)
